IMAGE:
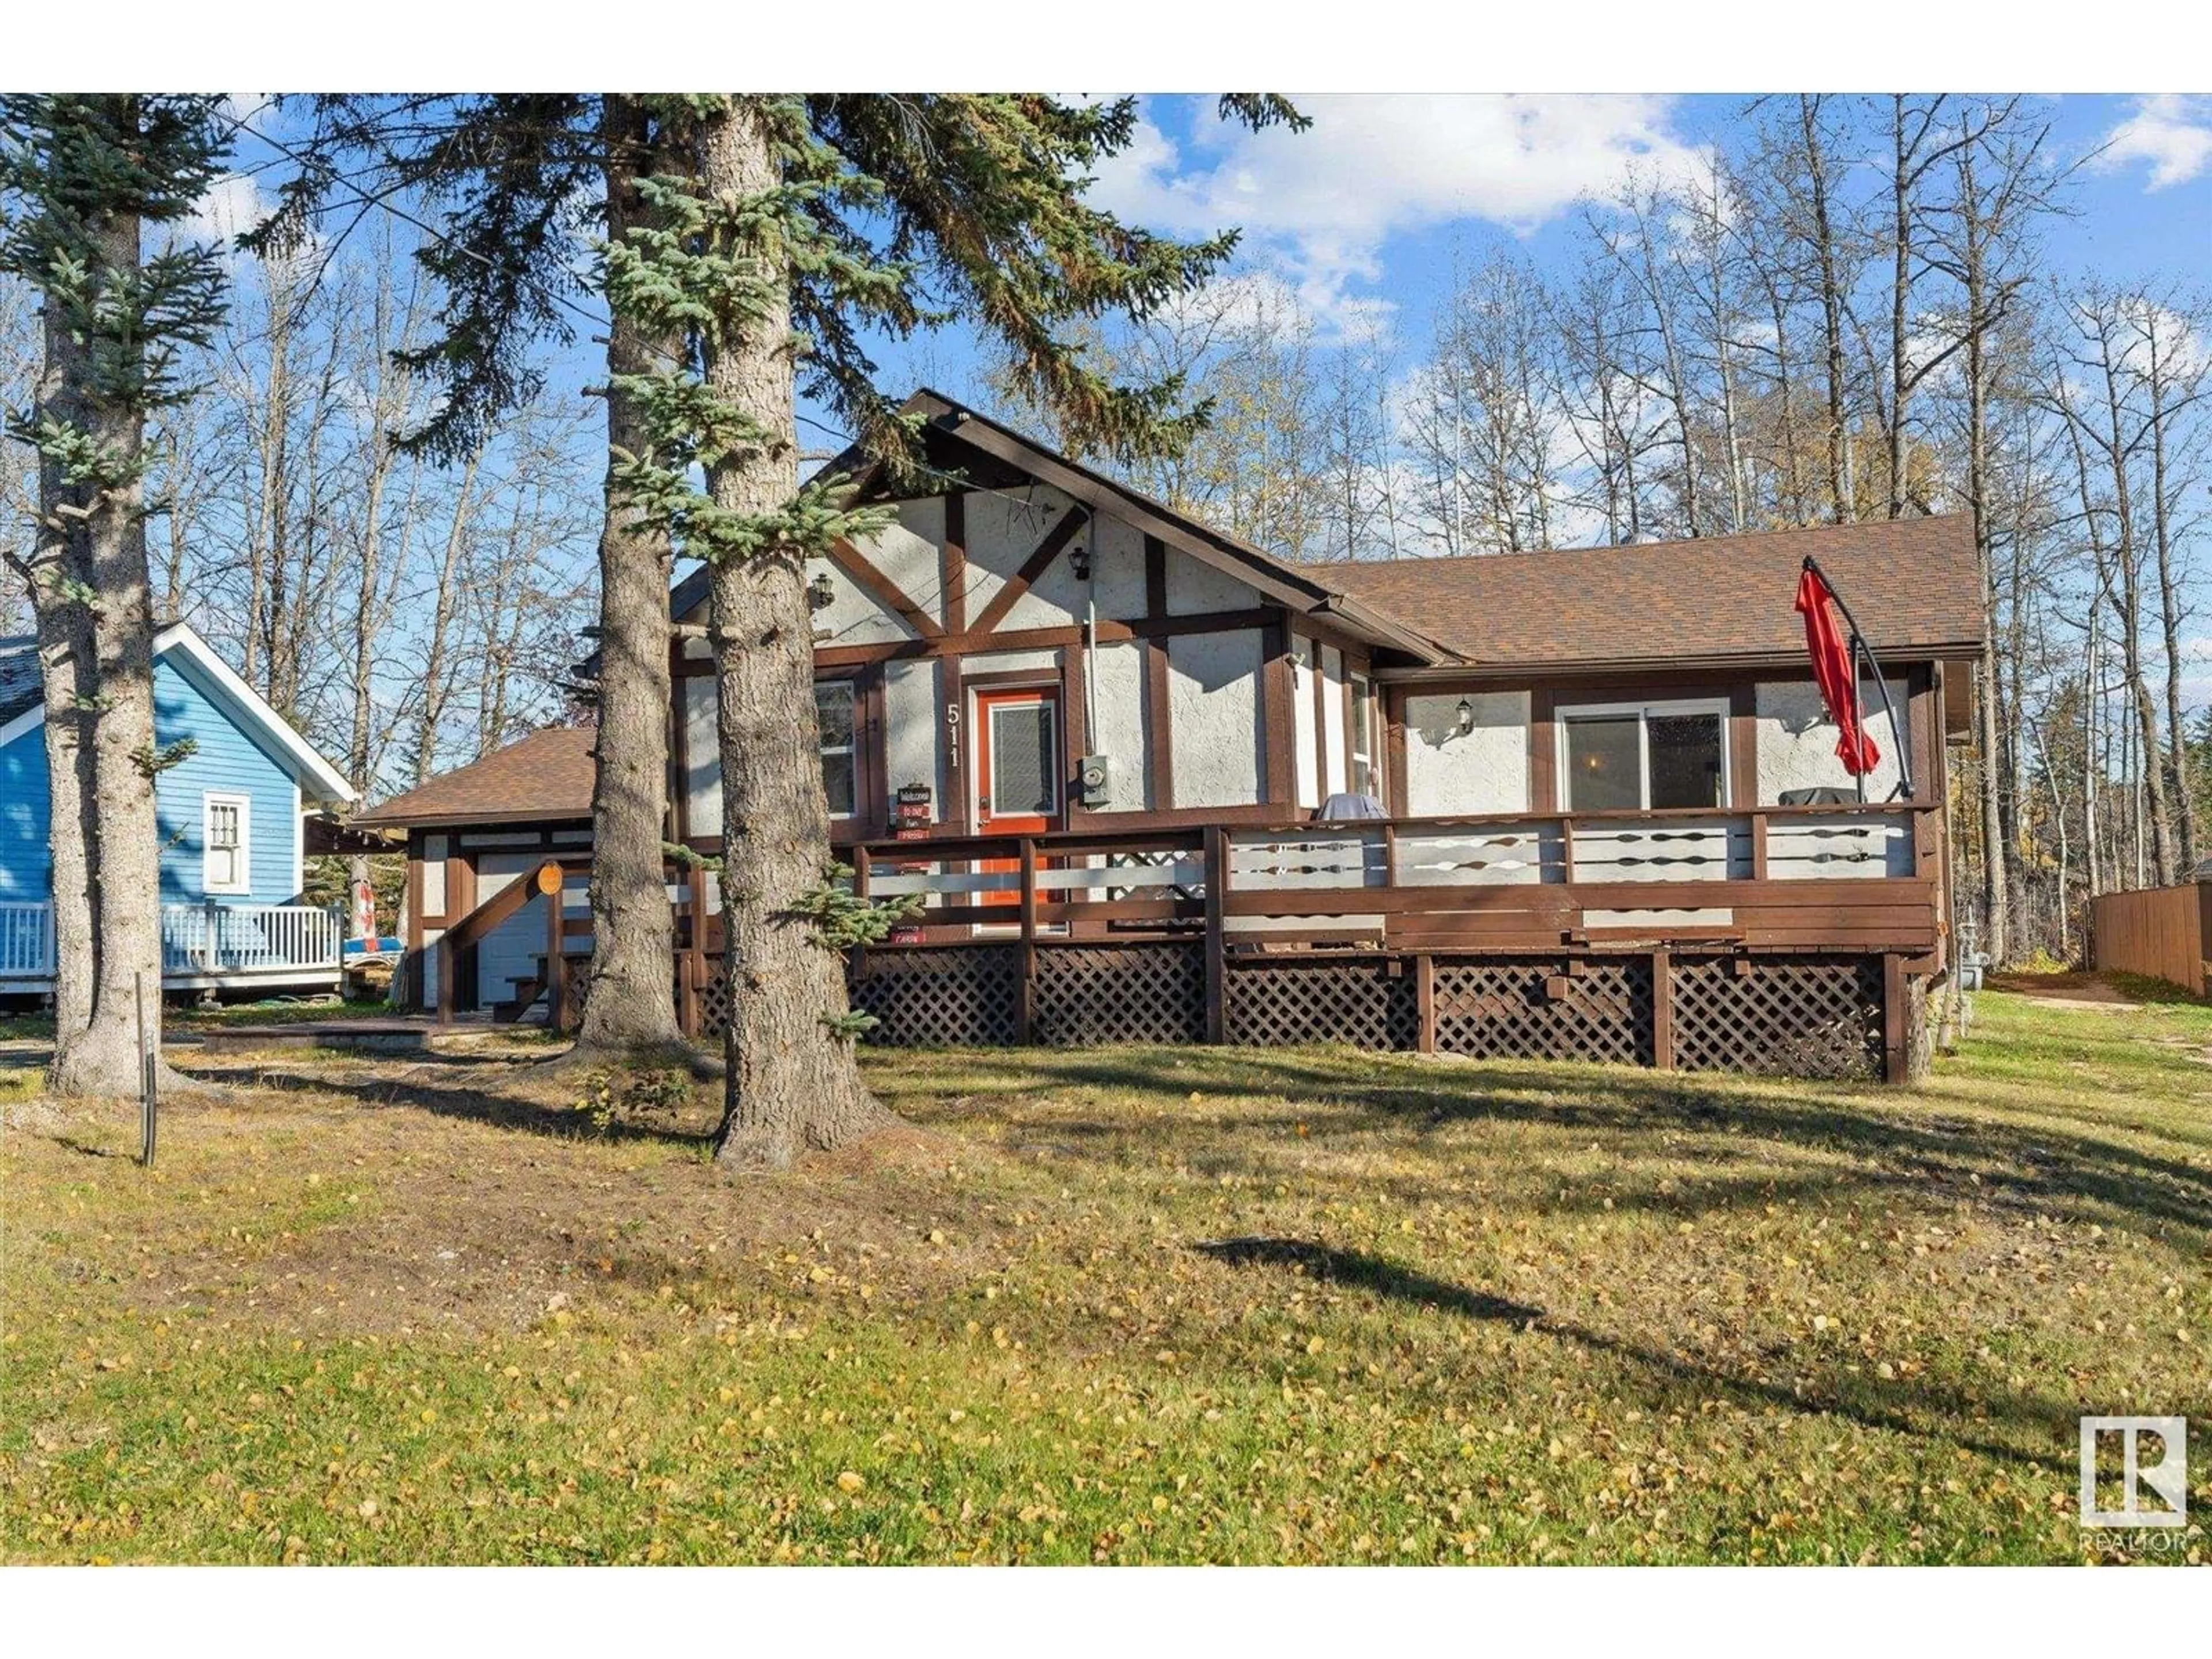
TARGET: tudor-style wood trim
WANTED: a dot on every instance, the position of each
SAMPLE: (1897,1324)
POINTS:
(1044,677)
(413,989)
(1279,716)
(1159,726)
(1156,579)
(1543,751)
(885,591)
(1028,639)
(951,740)
(952,563)
(875,743)
(1055,542)
(1394,744)
(1074,731)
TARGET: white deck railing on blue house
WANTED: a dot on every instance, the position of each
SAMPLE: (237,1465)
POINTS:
(208,945)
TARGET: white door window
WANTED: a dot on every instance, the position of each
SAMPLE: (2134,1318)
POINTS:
(1656,757)
(227,854)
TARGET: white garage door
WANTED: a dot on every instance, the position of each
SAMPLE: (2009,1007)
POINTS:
(510,950)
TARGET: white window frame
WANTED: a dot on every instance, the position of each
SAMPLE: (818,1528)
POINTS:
(1644,712)
(241,857)
(822,751)
(1363,733)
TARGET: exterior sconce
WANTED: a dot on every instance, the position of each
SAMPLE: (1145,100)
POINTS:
(820,595)
(1466,712)
(1079,561)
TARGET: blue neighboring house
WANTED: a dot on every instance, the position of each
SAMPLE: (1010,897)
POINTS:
(233,819)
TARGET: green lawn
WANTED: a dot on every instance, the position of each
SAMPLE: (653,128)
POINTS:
(1129,1305)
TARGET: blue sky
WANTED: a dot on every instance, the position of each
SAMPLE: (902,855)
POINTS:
(1364,215)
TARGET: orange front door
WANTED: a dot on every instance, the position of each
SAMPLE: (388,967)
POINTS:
(1018,787)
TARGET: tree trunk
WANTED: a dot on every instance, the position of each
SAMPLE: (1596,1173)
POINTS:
(68,678)
(98,661)
(2128,548)
(2170,601)
(1997,898)
(1900,293)
(1832,303)
(629,1003)
(792,1080)
(436,673)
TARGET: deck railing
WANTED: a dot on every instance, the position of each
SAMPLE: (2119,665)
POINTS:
(1849,877)
(26,940)
(199,942)
(247,938)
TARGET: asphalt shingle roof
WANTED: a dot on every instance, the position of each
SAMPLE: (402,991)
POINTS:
(547,775)
(1913,584)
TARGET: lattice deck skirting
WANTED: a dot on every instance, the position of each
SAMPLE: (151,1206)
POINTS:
(1810,1016)
(1368,1002)
(1534,1009)
(1789,1016)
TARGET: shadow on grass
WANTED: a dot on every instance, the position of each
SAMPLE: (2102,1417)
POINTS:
(1906,1143)
(2042,1423)
(483,1106)
(1368,1273)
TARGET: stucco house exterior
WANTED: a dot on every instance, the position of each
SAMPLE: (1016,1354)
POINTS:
(233,816)
(1110,750)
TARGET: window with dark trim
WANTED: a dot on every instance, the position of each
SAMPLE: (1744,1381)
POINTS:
(836,712)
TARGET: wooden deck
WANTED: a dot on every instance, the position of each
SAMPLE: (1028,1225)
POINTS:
(1791,939)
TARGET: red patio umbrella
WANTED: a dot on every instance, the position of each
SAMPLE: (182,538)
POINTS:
(1834,668)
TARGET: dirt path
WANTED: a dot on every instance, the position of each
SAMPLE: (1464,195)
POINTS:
(2067,990)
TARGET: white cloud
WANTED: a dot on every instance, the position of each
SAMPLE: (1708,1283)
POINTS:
(1323,204)
(2171,133)
(227,208)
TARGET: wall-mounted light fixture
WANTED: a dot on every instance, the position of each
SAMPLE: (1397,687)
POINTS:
(1078,560)
(820,595)
(1466,717)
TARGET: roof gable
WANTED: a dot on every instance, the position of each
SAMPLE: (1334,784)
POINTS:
(23,700)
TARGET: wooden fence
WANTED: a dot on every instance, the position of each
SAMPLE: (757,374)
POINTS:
(2162,933)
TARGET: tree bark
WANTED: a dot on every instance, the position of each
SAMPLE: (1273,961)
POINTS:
(791,1082)
(1824,247)
(1997,895)
(436,672)
(2157,370)
(98,663)
(629,1004)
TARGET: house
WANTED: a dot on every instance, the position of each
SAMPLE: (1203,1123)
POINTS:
(1094,738)
(233,816)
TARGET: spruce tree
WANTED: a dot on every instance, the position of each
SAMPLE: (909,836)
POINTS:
(798,224)
(510,176)
(768,240)
(83,178)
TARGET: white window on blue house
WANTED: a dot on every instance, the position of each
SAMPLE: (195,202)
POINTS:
(226,844)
